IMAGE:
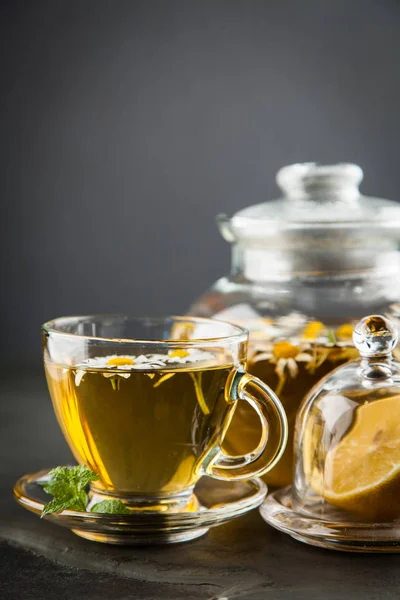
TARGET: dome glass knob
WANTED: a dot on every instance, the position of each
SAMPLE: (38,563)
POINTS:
(375,336)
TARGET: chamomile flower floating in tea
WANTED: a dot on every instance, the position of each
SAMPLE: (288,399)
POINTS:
(313,330)
(286,357)
(344,332)
(313,345)
(117,365)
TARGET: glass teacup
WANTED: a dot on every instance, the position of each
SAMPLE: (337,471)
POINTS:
(146,402)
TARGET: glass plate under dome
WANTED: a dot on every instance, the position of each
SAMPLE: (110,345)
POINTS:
(278,512)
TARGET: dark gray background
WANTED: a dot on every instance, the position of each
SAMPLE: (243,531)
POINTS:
(127,126)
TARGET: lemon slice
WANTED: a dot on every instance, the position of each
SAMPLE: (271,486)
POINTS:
(362,473)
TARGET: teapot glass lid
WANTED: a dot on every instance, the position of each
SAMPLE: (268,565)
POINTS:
(315,197)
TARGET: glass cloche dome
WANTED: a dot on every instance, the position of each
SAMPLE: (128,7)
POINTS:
(347,451)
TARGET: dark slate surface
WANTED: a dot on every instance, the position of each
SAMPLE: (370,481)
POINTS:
(242,559)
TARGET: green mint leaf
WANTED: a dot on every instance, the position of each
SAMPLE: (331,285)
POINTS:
(80,501)
(67,486)
(56,506)
(59,478)
(112,507)
(55,487)
(62,473)
(81,476)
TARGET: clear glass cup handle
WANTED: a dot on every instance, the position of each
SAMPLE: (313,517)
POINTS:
(273,419)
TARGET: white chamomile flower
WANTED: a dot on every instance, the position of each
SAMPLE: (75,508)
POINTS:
(188,356)
(79,374)
(285,356)
(121,366)
(121,363)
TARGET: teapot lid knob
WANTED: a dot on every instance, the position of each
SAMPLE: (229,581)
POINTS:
(375,336)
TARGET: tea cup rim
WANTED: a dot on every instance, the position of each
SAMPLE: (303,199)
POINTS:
(240,333)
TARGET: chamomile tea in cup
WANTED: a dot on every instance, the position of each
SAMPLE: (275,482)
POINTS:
(146,402)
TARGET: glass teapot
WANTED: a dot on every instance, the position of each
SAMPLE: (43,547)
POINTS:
(305,268)
(347,435)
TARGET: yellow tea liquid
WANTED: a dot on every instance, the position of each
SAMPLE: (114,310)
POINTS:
(143,431)
(291,367)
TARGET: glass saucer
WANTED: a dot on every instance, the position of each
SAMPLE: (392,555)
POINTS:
(277,511)
(213,503)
